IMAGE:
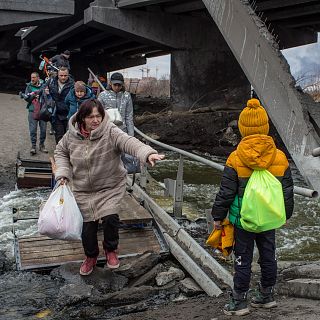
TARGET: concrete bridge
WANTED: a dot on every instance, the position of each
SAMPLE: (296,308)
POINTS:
(214,44)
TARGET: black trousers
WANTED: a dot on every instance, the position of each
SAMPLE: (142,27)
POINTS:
(243,250)
(110,225)
(60,128)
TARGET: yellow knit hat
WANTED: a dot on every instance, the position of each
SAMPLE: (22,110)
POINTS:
(253,119)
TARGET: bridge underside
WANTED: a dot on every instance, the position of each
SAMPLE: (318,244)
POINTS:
(110,38)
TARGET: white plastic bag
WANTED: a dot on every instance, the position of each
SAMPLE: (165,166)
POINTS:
(60,218)
(114,116)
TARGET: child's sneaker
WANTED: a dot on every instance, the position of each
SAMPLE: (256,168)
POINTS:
(237,305)
(263,298)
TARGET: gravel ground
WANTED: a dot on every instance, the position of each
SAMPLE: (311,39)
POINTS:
(15,138)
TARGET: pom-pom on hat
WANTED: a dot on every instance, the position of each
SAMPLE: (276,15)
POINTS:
(253,119)
(80,86)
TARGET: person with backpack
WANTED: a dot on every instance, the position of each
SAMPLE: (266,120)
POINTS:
(31,96)
(255,169)
(77,94)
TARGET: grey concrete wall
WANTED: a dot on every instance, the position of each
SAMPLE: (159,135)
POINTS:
(199,75)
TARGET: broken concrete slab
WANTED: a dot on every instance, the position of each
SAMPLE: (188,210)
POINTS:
(73,293)
(102,279)
(166,277)
(305,271)
(189,287)
(139,265)
(134,295)
(302,288)
(149,277)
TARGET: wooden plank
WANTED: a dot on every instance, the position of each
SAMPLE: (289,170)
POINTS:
(61,254)
(41,251)
(46,241)
(58,250)
(131,212)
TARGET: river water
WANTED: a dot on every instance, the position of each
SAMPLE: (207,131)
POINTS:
(298,240)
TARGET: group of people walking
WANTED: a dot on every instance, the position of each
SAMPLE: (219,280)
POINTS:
(88,154)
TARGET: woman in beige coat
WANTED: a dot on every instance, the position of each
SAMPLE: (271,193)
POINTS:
(89,156)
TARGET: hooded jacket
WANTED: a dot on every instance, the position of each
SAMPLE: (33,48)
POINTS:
(95,168)
(73,103)
(254,152)
(121,100)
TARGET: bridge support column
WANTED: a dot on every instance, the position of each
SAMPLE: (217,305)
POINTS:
(199,75)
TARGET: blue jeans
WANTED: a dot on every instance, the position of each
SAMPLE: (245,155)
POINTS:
(33,126)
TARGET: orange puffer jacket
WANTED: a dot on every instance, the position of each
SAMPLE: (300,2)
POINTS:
(254,152)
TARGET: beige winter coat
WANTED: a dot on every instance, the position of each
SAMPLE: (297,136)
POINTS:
(95,168)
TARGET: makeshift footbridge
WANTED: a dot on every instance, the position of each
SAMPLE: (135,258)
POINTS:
(145,227)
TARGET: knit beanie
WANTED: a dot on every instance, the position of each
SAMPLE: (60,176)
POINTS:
(253,119)
(80,86)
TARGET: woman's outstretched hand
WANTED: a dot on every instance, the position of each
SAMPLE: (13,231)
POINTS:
(154,157)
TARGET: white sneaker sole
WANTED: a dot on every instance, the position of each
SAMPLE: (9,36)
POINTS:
(268,305)
(113,266)
(242,312)
(85,273)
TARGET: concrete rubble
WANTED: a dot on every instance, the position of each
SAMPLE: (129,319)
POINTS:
(301,281)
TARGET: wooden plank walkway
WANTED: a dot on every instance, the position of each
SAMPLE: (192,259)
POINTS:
(39,252)
(139,235)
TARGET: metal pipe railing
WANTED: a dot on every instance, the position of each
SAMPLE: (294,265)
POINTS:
(210,163)
(297,190)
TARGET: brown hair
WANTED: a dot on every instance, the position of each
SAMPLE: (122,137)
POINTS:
(86,108)
(63,69)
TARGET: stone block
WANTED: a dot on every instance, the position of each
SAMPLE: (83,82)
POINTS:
(302,288)
(172,274)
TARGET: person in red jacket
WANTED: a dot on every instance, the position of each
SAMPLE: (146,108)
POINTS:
(256,151)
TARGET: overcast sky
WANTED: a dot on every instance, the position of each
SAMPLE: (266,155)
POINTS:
(301,60)
(304,58)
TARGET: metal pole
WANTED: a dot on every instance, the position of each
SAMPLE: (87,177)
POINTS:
(178,191)
(212,164)
(176,231)
(210,288)
(297,190)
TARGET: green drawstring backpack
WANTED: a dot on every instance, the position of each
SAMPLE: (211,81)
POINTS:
(262,206)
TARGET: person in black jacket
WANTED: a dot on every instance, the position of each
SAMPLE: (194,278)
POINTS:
(61,60)
(58,88)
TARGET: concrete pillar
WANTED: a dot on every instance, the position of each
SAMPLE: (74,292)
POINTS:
(197,76)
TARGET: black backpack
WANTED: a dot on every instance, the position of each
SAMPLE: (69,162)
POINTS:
(48,107)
